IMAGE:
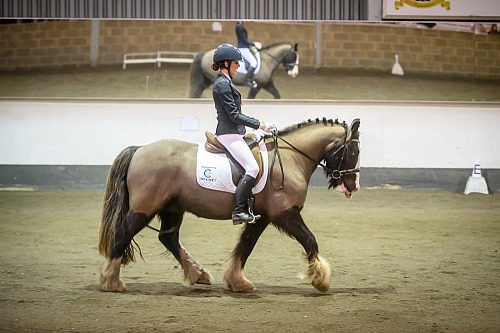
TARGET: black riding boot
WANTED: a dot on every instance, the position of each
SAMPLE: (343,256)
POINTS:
(250,82)
(243,192)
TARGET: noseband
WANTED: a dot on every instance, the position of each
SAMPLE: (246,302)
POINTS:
(288,65)
(335,174)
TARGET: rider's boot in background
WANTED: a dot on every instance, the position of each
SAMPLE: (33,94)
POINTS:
(250,82)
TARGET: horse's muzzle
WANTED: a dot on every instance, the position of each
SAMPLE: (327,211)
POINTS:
(348,193)
(294,71)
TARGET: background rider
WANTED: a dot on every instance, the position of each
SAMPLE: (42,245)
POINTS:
(244,46)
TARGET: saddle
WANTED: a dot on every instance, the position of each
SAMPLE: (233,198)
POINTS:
(213,145)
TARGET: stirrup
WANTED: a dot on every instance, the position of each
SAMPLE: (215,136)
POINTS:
(251,203)
(251,84)
(239,218)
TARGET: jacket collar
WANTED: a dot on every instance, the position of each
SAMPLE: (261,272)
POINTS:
(225,76)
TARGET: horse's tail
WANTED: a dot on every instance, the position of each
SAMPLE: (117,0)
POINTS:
(197,80)
(116,204)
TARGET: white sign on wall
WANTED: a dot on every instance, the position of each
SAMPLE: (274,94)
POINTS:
(442,9)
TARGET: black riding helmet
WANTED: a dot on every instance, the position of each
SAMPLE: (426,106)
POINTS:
(226,52)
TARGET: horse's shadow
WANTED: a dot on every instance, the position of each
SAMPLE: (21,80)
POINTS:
(219,290)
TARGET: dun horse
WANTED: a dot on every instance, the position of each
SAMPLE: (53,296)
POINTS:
(202,75)
(159,179)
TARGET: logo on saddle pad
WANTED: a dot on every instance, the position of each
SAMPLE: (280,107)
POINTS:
(215,171)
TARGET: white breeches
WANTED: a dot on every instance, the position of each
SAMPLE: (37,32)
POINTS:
(248,56)
(238,148)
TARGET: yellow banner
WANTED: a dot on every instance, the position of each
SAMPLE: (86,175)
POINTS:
(422,4)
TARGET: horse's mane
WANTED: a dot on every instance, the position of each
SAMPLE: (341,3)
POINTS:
(267,47)
(309,122)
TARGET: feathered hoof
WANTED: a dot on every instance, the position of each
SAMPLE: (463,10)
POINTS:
(114,285)
(240,286)
(110,276)
(205,278)
(321,285)
(197,276)
(318,274)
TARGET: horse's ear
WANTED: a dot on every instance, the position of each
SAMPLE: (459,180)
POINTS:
(353,129)
(295,47)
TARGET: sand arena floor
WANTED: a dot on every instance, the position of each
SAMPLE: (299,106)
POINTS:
(172,81)
(406,260)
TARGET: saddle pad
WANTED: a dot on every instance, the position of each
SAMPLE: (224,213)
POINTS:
(213,171)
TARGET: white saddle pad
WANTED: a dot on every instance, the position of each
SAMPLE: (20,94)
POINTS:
(213,171)
(243,69)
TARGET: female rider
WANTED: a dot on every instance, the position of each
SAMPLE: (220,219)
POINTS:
(244,46)
(231,124)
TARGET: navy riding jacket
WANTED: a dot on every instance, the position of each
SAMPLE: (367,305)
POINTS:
(227,100)
(242,35)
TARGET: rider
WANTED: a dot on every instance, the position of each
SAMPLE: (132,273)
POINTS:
(231,124)
(243,44)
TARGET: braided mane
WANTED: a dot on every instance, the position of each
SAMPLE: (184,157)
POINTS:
(267,47)
(309,122)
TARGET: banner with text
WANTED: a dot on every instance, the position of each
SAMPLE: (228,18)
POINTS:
(442,9)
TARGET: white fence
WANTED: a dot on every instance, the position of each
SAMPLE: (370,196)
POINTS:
(158,58)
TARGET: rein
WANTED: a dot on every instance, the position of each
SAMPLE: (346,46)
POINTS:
(279,60)
(335,174)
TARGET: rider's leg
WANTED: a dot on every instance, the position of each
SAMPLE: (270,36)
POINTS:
(243,192)
(252,62)
(250,81)
(238,148)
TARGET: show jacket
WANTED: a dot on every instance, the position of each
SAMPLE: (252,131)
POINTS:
(227,100)
(242,35)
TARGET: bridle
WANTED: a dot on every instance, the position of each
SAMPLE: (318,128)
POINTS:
(288,65)
(335,174)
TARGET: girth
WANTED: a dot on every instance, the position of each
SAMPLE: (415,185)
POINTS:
(213,145)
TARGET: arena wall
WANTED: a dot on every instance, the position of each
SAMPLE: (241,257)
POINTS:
(367,46)
(71,143)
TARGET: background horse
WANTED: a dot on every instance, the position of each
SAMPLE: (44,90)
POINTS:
(159,179)
(202,75)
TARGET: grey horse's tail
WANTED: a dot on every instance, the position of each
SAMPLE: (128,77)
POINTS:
(116,204)
(197,80)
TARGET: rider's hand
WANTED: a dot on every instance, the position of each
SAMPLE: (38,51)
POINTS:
(267,127)
(258,45)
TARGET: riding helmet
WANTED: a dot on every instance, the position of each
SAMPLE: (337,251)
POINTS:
(227,52)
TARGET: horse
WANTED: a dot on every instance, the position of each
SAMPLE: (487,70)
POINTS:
(159,179)
(202,75)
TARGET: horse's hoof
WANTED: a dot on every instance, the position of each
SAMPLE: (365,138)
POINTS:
(119,287)
(244,286)
(322,286)
(113,286)
(318,274)
(205,278)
